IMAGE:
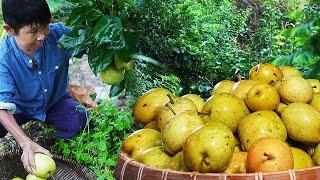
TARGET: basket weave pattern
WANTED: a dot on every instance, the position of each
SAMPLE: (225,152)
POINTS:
(128,169)
(11,166)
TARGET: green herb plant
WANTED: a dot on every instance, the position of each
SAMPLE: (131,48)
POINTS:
(98,147)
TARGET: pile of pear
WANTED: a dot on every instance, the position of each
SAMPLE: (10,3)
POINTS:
(269,122)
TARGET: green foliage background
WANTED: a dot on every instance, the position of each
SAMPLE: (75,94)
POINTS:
(204,42)
(305,38)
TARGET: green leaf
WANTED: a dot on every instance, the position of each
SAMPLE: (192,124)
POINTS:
(126,53)
(117,89)
(99,58)
(108,30)
(77,15)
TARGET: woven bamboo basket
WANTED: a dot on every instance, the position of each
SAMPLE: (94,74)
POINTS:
(11,166)
(128,169)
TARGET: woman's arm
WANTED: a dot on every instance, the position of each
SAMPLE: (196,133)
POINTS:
(28,146)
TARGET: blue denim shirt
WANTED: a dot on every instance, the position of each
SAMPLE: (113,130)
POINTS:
(28,89)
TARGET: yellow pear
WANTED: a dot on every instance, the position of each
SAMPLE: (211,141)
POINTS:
(33,177)
(315,102)
(148,105)
(241,88)
(302,122)
(223,86)
(315,84)
(177,162)
(151,125)
(228,109)
(280,107)
(196,99)
(172,108)
(238,145)
(258,125)
(17,178)
(176,131)
(301,159)
(316,155)
(290,71)
(111,75)
(155,157)
(206,109)
(139,141)
(209,148)
(262,96)
(45,166)
(266,72)
(295,89)
(238,163)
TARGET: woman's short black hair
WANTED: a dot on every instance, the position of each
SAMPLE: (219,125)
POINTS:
(19,13)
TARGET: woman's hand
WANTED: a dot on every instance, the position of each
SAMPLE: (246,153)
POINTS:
(29,149)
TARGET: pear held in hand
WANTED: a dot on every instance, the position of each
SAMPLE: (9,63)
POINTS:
(45,166)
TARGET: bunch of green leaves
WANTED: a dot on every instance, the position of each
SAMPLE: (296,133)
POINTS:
(202,41)
(146,76)
(305,38)
(102,28)
(99,148)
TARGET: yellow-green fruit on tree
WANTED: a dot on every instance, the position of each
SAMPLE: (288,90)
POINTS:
(177,162)
(290,71)
(258,125)
(209,148)
(177,130)
(196,99)
(172,108)
(315,84)
(301,159)
(241,88)
(148,105)
(315,102)
(302,122)
(262,96)
(228,109)
(111,75)
(155,157)
(45,166)
(139,141)
(316,155)
(223,86)
(121,65)
(266,72)
(295,89)
(238,163)
(33,177)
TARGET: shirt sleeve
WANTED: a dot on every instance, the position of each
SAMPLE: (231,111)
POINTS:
(58,29)
(6,89)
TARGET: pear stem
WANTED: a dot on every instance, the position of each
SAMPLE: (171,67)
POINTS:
(268,156)
(204,113)
(168,106)
(171,99)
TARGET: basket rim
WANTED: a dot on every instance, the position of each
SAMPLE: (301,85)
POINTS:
(138,164)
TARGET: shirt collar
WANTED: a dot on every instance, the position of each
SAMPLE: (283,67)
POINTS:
(23,56)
